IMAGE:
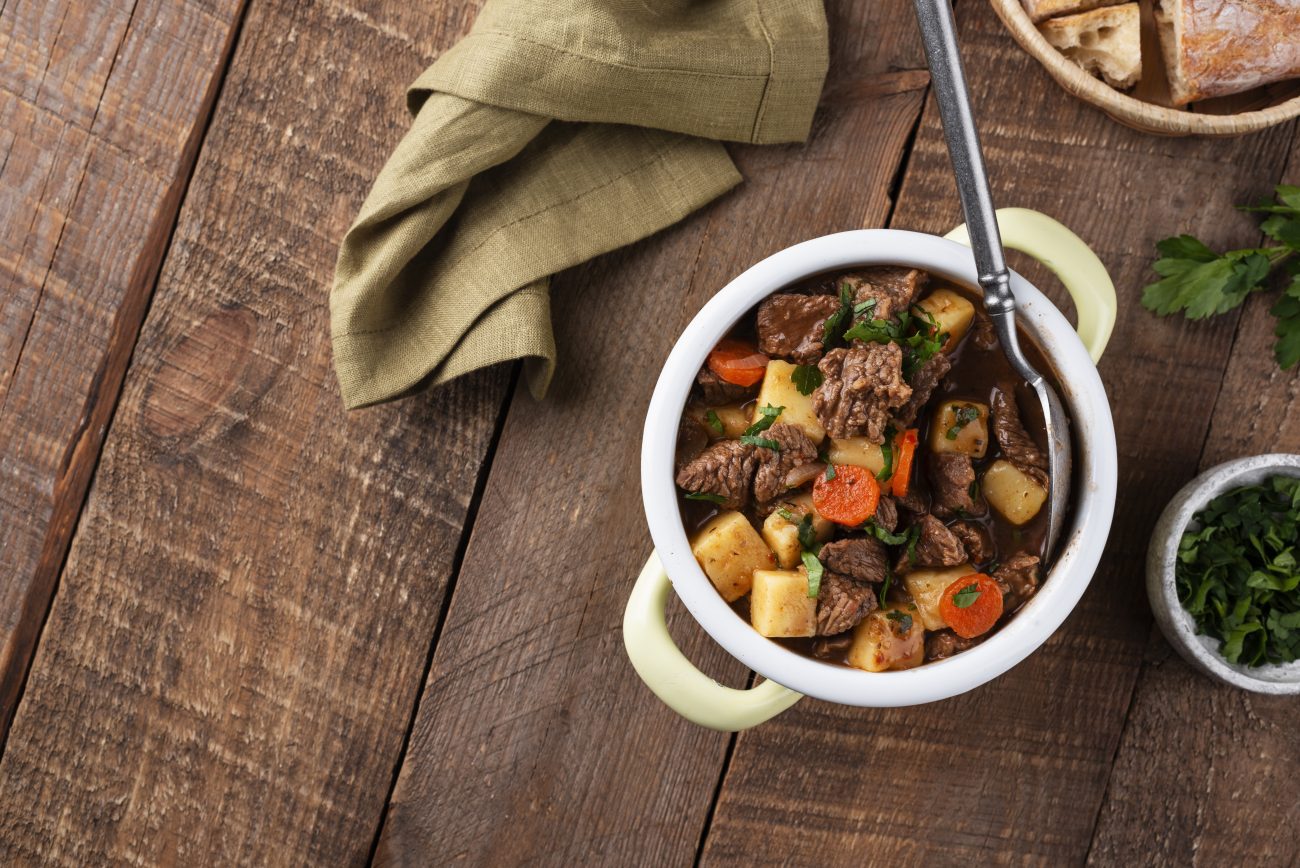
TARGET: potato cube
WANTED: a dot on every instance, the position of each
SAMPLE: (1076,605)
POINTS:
(952,311)
(960,426)
(780,606)
(801,504)
(858,451)
(779,390)
(889,638)
(734,419)
(729,550)
(782,537)
(1012,492)
(926,587)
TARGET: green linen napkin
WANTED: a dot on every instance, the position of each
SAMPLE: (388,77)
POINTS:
(552,133)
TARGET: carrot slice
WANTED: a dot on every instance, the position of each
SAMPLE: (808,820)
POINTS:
(850,498)
(905,449)
(737,362)
(971,605)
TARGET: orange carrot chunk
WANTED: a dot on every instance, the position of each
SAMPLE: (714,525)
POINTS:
(849,498)
(971,605)
(902,478)
(737,362)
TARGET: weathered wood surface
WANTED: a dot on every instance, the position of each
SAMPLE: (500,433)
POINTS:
(1015,772)
(535,740)
(239,635)
(102,108)
(1205,774)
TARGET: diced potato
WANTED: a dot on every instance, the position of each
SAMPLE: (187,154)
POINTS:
(782,537)
(734,419)
(779,605)
(729,550)
(858,451)
(801,504)
(880,642)
(952,311)
(926,587)
(1012,492)
(971,435)
(778,390)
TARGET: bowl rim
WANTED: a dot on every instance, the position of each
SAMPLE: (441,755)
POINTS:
(1081,546)
(1176,623)
(1129,110)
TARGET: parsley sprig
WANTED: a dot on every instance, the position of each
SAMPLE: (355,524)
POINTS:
(1238,572)
(767,414)
(1200,283)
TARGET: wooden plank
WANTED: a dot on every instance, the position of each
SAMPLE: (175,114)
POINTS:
(102,108)
(1225,759)
(238,639)
(1015,772)
(534,740)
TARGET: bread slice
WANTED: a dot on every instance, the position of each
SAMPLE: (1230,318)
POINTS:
(1220,47)
(1041,10)
(1105,42)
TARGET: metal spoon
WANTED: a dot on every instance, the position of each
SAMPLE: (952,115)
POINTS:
(939,34)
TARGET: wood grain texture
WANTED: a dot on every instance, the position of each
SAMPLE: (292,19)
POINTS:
(1225,759)
(238,639)
(535,742)
(1015,771)
(102,108)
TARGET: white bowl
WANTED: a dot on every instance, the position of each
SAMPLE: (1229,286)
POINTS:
(1081,546)
(1177,623)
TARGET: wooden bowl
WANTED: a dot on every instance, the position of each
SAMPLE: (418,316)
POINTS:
(1147,107)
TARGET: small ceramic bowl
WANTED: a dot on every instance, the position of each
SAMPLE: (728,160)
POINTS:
(1176,622)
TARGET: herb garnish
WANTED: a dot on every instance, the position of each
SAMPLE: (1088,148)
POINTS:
(806,378)
(814,568)
(832,331)
(887,450)
(704,495)
(885,536)
(830,471)
(714,422)
(903,619)
(962,416)
(764,442)
(884,587)
(1238,573)
(966,597)
(1202,283)
(767,415)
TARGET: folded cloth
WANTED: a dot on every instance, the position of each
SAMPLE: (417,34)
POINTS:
(552,133)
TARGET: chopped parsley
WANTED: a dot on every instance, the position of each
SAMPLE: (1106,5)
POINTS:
(832,331)
(806,378)
(887,537)
(903,620)
(863,308)
(887,450)
(764,442)
(966,597)
(830,471)
(767,414)
(884,587)
(714,422)
(814,568)
(704,495)
(962,416)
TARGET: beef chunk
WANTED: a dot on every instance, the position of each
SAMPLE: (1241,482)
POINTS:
(913,502)
(976,540)
(861,386)
(923,383)
(982,333)
(792,326)
(691,441)
(726,469)
(842,603)
(773,465)
(936,546)
(893,288)
(860,558)
(945,643)
(714,390)
(886,514)
(1018,579)
(951,478)
(1017,446)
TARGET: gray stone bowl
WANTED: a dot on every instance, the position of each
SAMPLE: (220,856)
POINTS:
(1175,622)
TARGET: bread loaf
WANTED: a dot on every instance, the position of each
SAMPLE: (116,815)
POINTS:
(1219,47)
(1105,42)
(1040,10)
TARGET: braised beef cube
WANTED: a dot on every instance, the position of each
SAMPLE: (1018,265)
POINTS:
(945,643)
(936,546)
(861,386)
(1018,579)
(725,469)
(893,288)
(792,326)
(976,539)
(691,441)
(861,558)
(982,334)
(774,465)
(1016,444)
(713,390)
(923,382)
(842,603)
(886,514)
(952,485)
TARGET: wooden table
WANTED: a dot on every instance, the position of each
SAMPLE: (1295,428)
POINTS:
(240,625)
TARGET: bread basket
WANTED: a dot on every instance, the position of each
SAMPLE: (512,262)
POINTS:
(1227,116)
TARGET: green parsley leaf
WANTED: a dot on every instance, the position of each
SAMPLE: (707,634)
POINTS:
(767,415)
(786,514)
(913,534)
(887,450)
(830,471)
(1287,331)
(874,331)
(704,495)
(808,536)
(763,442)
(883,596)
(863,308)
(806,378)
(814,568)
(903,620)
(886,537)
(966,597)
(714,422)
(962,416)
(834,326)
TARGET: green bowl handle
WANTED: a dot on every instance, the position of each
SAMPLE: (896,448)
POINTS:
(1071,260)
(674,679)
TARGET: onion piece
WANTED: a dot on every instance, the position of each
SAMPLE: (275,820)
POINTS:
(804,473)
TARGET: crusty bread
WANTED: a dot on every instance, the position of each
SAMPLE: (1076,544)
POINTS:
(1105,42)
(1219,47)
(1041,10)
